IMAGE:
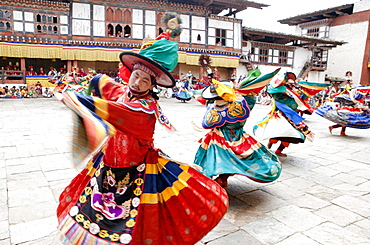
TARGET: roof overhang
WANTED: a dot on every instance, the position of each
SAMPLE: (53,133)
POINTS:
(319,15)
(217,6)
(251,34)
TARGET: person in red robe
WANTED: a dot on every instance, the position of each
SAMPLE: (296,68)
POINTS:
(31,72)
(131,192)
(41,72)
(82,72)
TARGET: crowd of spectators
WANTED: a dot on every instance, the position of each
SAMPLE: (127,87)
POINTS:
(11,69)
(28,91)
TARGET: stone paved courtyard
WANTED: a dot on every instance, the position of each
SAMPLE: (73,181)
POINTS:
(322,196)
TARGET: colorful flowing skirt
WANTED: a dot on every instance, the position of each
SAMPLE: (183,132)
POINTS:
(353,118)
(152,203)
(279,128)
(225,151)
(183,94)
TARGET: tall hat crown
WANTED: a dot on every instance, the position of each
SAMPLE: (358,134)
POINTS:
(160,56)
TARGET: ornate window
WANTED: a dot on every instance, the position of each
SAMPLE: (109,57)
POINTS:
(118,32)
(317,31)
(313,32)
(109,15)
(263,55)
(110,30)
(127,31)
(7,14)
(283,57)
(272,54)
(127,17)
(118,15)
(319,58)
(220,37)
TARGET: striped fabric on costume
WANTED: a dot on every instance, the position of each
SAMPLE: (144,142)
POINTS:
(349,117)
(228,149)
(129,192)
(171,204)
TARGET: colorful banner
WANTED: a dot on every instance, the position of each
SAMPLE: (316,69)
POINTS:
(44,80)
(98,53)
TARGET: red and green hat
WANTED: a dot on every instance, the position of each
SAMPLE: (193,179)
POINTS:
(158,57)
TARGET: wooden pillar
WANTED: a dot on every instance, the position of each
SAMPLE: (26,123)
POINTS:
(69,65)
(22,64)
(201,70)
(75,63)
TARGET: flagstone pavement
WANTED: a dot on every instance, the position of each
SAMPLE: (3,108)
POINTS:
(321,197)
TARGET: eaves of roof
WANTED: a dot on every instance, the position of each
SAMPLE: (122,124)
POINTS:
(260,35)
(318,15)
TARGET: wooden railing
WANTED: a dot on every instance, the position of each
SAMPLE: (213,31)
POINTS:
(312,64)
(13,76)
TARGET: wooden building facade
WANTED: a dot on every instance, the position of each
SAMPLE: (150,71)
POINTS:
(349,23)
(66,34)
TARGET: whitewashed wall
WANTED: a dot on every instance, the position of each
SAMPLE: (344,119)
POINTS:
(348,57)
(301,56)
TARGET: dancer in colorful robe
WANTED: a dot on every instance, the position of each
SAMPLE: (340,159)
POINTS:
(184,94)
(283,123)
(130,192)
(347,110)
(227,149)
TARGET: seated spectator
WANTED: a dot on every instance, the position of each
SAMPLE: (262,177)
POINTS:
(9,94)
(18,94)
(38,88)
(47,93)
(12,89)
(52,71)
(31,72)
(42,72)
(31,93)
(82,72)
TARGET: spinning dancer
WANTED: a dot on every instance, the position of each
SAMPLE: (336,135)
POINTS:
(130,192)
(347,110)
(283,122)
(227,149)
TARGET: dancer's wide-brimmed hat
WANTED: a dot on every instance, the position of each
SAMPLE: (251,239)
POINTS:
(158,57)
(210,92)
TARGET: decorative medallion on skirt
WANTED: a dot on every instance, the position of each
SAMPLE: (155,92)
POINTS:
(108,207)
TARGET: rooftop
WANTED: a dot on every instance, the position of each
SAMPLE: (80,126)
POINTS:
(217,6)
(251,34)
(319,15)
